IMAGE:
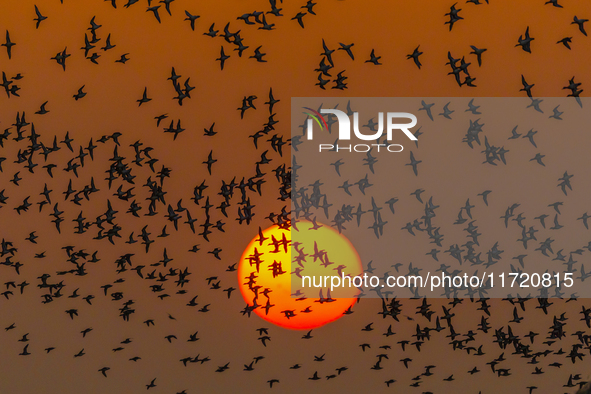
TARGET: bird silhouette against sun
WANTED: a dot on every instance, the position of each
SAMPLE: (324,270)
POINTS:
(284,275)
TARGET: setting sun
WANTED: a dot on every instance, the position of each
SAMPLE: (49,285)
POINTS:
(272,267)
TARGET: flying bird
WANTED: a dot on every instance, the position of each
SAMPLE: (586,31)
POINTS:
(145,99)
(525,41)
(40,18)
(453,16)
(415,56)
(580,23)
(8,44)
(154,10)
(223,57)
(478,52)
(192,19)
(373,58)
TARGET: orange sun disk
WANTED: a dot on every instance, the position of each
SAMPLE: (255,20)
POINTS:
(272,283)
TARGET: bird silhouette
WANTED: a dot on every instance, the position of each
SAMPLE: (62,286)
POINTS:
(8,44)
(524,41)
(415,56)
(40,18)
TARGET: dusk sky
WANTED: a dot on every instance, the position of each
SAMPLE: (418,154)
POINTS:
(121,276)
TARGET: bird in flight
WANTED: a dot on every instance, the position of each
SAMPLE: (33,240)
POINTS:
(8,44)
(415,56)
(525,41)
(40,18)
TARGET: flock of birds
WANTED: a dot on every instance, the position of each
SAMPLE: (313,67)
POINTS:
(53,190)
(314,196)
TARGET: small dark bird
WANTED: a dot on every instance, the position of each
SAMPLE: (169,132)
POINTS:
(427,107)
(223,57)
(556,113)
(258,55)
(154,9)
(166,5)
(530,135)
(40,18)
(8,44)
(554,3)
(415,56)
(585,218)
(209,161)
(104,370)
(144,99)
(525,42)
(93,25)
(25,352)
(478,52)
(160,118)
(514,134)
(577,21)
(93,58)
(309,6)
(538,157)
(347,48)
(212,32)
(414,163)
(42,110)
(473,108)
(299,16)
(272,381)
(453,16)
(565,41)
(535,104)
(526,87)
(373,58)
(80,93)
(152,384)
(327,53)
(192,18)
(108,44)
(446,111)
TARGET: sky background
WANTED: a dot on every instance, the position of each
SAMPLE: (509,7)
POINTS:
(394,30)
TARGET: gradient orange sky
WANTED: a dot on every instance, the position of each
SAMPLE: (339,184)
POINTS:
(393,29)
